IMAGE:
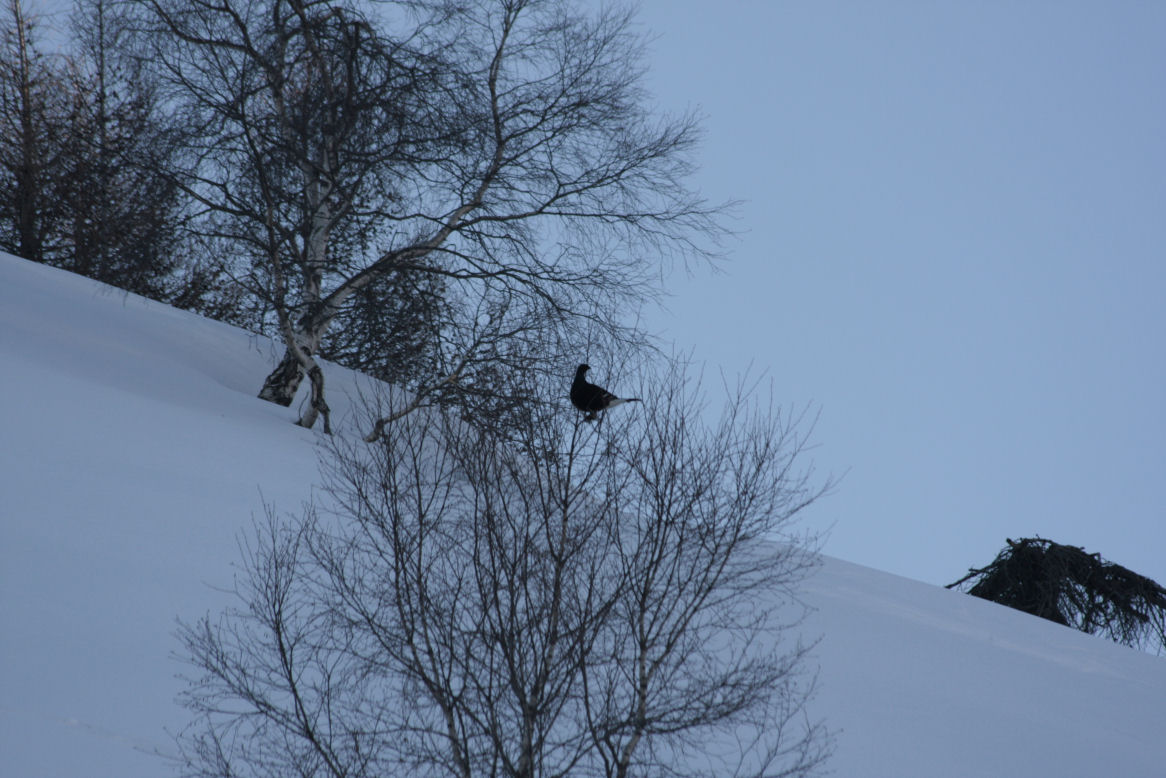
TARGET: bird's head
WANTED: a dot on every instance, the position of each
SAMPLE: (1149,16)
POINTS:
(582,369)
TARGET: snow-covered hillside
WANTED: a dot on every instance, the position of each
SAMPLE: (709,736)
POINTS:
(133,451)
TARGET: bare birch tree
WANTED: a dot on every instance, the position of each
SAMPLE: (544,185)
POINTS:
(505,145)
(609,600)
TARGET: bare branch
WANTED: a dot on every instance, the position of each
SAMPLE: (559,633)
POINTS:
(568,599)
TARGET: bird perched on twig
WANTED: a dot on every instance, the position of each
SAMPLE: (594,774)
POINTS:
(592,399)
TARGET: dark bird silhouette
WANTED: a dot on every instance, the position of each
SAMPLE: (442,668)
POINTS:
(592,399)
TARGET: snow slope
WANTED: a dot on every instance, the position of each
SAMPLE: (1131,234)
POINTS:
(133,451)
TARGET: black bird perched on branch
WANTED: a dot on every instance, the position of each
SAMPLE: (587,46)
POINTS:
(592,399)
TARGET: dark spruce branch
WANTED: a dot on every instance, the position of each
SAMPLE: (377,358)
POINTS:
(1070,586)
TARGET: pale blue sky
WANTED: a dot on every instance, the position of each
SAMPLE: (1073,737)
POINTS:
(954,243)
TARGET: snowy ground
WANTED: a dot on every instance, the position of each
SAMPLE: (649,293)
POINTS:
(133,451)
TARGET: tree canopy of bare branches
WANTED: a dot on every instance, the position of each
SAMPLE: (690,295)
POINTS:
(612,599)
(34,117)
(83,162)
(504,145)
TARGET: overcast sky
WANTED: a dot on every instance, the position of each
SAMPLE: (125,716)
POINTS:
(954,244)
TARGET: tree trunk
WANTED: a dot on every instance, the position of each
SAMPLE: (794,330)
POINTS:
(317,407)
(28,184)
(281,385)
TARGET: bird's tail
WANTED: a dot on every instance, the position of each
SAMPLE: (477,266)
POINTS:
(622,400)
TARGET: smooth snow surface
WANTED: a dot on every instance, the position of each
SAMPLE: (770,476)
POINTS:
(133,452)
